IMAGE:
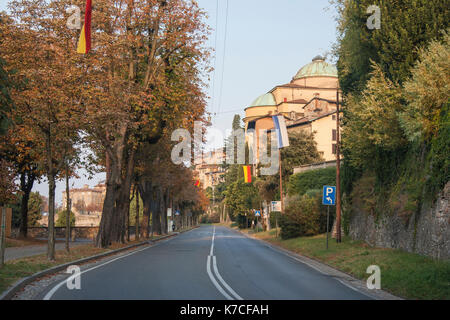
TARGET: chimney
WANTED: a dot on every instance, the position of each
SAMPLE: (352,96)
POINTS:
(317,96)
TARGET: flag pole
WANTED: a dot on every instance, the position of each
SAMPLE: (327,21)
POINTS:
(281,181)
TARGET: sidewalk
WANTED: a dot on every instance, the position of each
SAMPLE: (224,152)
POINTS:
(29,251)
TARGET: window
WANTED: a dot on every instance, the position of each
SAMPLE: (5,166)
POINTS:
(334,149)
(334,135)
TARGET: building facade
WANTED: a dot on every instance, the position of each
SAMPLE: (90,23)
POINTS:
(308,103)
(208,169)
(87,204)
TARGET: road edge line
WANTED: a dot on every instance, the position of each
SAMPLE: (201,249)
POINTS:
(299,258)
(9,293)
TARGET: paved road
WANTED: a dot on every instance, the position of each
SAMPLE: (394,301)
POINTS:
(207,263)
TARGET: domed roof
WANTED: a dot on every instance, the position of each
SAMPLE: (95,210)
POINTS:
(265,100)
(318,67)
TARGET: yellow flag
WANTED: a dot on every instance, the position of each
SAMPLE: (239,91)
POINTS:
(82,42)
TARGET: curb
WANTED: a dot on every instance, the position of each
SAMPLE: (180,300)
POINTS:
(319,266)
(22,283)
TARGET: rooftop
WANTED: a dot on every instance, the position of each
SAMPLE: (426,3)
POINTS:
(317,68)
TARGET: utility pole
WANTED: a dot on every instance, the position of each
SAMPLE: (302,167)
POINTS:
(3,237)
(67,209)
(338,172)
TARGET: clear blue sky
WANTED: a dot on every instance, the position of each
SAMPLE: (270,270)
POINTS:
(268,41)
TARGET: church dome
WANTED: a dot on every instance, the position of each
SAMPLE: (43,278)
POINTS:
(317,68)
(265,100)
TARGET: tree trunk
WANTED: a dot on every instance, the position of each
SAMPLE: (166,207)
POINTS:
(51,198)
(156,215)
(108,230)
(136,223)
(67,209)
(124,198)
(25,186)
(112,223)
(163,212)
(51,217)
(145,188)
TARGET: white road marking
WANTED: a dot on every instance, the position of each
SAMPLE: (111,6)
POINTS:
(49,294)
(216,272)
(211,253)
(308,264)
(208,269)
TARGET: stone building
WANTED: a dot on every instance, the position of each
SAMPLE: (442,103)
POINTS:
(308,103)
(208,169)
(87,204)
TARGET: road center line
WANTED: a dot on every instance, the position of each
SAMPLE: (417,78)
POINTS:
(216,271)
(217,274)
(211,252)
(216,284)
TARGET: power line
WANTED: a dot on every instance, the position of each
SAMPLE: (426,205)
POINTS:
(229,111)
(224,55)
(215,59)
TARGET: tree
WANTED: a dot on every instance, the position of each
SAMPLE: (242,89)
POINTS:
(5,98)
(35,204)
(405,26)
(50,81)
(302,150)
(241,198)
(149,50)
(426,92)
(61,221)
(35,208)
(372,124)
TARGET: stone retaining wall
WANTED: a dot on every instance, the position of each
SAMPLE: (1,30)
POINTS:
(427,233)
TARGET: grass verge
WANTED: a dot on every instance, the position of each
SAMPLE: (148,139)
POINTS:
(403,274)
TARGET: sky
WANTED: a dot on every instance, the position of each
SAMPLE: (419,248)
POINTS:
(259,44)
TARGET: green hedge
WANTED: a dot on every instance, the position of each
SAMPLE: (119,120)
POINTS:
(305,216)
(300,183)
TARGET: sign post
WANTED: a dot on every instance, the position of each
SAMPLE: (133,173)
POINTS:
(169,220)
(276,207)
(328,199)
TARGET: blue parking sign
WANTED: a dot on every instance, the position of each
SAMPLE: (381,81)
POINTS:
(329,195)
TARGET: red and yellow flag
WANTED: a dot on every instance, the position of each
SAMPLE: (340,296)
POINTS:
(248,174)
(84,43)
(197,183)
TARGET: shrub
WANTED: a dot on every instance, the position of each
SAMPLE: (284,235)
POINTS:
(61,221)
(306,216)
(302,218)
(300,183)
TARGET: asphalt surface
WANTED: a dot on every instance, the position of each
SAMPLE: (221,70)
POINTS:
(208,263)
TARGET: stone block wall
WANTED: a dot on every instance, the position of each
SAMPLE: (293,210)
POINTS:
(427,233)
